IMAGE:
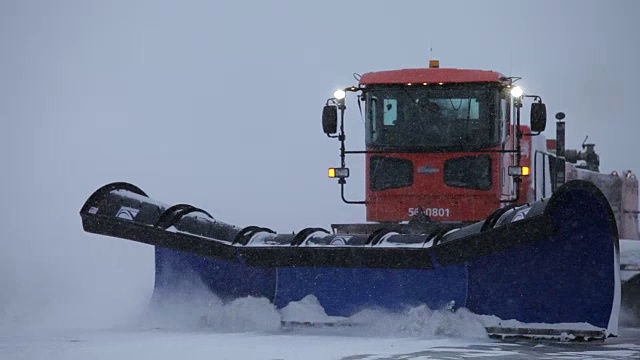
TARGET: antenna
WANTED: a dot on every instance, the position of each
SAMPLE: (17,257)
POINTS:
(510,62)
(432,63)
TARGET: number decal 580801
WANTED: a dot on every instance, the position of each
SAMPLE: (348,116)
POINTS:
(441,212)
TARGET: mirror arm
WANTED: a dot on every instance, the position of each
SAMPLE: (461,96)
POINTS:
(535,97)
(519,133)
(341,135)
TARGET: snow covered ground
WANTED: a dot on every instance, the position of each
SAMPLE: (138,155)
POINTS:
(300,344)
(201,327)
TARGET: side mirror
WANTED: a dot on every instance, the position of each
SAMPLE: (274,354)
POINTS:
(330,119)
(538,117)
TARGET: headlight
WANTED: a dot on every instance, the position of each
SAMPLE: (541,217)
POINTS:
(340,173)
(517,92)
(339,94)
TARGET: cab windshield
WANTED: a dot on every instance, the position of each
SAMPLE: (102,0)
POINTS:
(432,117)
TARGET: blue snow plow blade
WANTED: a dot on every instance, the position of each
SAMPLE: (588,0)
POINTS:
(552,264)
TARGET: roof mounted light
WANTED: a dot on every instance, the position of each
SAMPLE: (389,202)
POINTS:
(516,91)
(434,64)
(339,94)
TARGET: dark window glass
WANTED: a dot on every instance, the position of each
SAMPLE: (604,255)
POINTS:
(437,118)
(390,173)
(471,172)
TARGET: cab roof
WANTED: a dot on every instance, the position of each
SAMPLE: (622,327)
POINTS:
(432,75)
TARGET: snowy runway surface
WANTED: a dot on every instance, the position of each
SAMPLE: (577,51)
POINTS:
(199,326)
(296,344)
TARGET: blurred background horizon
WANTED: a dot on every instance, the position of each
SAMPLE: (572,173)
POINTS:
(218,104)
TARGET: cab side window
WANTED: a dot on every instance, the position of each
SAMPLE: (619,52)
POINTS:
(390,112)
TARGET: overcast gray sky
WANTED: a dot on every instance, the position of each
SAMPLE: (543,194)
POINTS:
(218,104)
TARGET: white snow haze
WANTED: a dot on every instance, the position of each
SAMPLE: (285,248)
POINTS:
(218,104)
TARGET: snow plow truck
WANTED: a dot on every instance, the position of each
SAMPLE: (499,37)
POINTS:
(466,207)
